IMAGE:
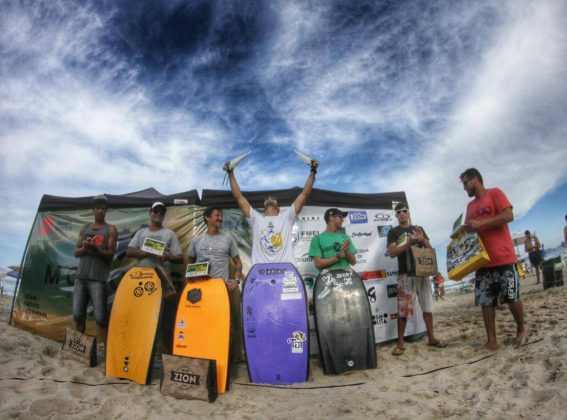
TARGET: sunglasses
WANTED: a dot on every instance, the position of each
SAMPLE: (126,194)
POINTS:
(340,216)
(158,211)
(401,211)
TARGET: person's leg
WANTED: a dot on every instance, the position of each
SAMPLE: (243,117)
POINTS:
(80,302)
(402,322)
(517,310)
(489,317)
(510,292)
(405,310)
(97,290)
(537,270)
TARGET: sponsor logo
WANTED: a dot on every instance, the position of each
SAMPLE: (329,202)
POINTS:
(181,336)
(392,273)
(380,319)
(425,260)
(150,286)
(371,293)
(357,216)
(76,345)
(296,341)
(185,378)
(194,295)
(181,324)
(308,218)
(138,291)
(372,275)
(392,290)
(305,258)
(361,234)
(382,217)
(383,230)
(394,316)
(362,251)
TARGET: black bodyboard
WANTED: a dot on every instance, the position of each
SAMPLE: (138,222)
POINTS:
(343,321)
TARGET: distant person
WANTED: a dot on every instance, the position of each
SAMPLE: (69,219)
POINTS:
(489,214)
(218,248)
(95,249)
(271,232)
(333,249)
(400,240)
(565,233)
(171,255)
(533,247)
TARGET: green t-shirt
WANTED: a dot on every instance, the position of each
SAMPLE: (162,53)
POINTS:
(327,245)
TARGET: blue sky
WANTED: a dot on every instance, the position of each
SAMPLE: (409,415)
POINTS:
(117,96)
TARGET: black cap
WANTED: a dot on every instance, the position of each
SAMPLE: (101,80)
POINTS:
(334,212)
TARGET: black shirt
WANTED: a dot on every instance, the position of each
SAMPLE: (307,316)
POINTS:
(400,235)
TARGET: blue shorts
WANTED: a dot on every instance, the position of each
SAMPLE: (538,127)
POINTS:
(497,282)
(94,291)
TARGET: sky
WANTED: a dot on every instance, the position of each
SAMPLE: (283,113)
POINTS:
(118,96)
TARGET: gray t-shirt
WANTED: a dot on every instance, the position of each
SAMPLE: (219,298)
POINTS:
(163,235)
(216,249)
(91,265)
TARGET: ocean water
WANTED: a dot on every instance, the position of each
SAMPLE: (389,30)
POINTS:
(8,285)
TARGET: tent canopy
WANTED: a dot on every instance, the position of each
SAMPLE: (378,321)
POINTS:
(143,198)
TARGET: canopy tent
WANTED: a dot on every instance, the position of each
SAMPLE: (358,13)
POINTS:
(43,303)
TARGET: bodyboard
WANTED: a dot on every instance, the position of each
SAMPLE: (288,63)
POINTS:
(134,320)
(202,325)
(275,324)
(343,321)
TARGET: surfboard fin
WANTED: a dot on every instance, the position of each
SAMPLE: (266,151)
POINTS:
(313,163)
(231,164)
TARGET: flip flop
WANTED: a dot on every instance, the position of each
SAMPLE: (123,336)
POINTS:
(438,344)
(398,351)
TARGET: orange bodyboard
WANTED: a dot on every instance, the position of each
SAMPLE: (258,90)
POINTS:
(133,325)
(202,325)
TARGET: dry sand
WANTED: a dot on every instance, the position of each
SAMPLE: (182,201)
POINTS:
(462,380)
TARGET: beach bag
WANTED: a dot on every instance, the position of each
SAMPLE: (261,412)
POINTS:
(424,261)
(80,347)
(465,254)
(189,378)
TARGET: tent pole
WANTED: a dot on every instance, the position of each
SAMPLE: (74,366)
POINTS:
(16,289)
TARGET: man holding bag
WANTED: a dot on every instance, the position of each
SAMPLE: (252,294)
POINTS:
(401,239)
(488,215)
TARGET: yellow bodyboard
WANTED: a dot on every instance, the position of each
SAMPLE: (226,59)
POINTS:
(202,325)
(133,325)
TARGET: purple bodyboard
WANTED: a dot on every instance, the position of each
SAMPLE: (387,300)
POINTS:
(275,324)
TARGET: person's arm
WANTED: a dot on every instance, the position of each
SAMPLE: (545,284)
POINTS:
(174,253)
(237,194)
(108,254)
(419,237)
(302,198)
(502,218)
(191,260)
(133,250)
(348,251)
(233,283)
(81,247)
(321,262)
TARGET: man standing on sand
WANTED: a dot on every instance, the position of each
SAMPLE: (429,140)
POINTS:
(488,215)
(171,255)
(95,249)
(271,232)
(533,247)
(216,248)
(400,240)
(333,249)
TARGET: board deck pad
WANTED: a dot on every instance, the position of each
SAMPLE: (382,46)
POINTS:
(202,325)
(343,321)
(134,320)
(275,324)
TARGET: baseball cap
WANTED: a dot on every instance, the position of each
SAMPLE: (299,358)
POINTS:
(159,204)
(334,212)
(100,199)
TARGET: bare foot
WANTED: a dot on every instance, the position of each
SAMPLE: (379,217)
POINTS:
(521,339)
(492,346)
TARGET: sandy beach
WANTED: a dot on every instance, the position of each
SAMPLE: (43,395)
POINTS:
(462,380)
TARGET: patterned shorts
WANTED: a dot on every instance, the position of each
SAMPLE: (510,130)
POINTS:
(497,282)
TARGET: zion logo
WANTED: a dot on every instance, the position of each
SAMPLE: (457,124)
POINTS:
(194,295)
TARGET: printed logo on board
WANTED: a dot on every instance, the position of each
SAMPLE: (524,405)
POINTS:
(125,364)
(182,324)
(296,341)
(138,291)
(357,217)
(149,286)
(194,295)
(185,378)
